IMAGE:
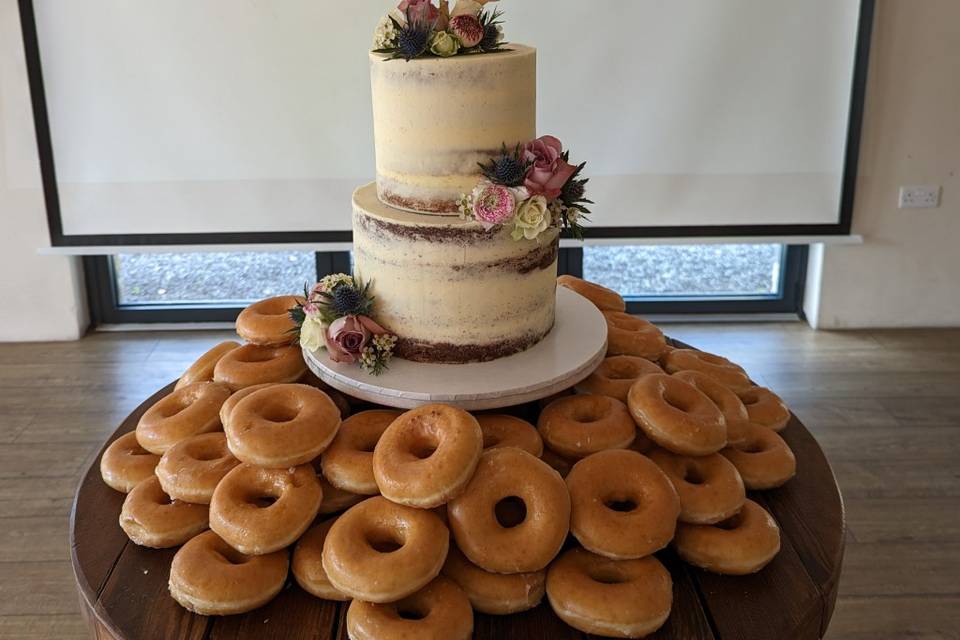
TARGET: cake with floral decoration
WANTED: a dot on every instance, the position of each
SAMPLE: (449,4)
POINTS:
(456,241)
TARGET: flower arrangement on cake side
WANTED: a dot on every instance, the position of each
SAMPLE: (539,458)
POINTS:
(531,187)
(335,315)
(419,28)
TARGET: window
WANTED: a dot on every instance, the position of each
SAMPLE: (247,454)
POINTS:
(228,279)
(197,287)
(711,278)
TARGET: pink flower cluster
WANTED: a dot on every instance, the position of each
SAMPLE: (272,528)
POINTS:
(548,170)
(347,337)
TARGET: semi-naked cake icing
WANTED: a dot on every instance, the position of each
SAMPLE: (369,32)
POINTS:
(435,119)
(449,289)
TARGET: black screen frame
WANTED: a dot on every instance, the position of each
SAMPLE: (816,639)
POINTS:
(59,239)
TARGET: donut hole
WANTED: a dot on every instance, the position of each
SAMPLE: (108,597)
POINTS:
(254,356)
(692,475)
(384,540)
(585,415)
(621,504)
(173,407)
(606,575)
(679,401)
(422,447)
(731,523)
(262,499)
(231,556)
(278,413)
(510,512)
(409,611)
(367,445)
(207,455)
(749,398)
(752,446)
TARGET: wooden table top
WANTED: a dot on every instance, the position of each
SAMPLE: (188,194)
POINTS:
(123,587)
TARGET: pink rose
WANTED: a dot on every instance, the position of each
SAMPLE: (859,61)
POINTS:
(346,337)
(548,170)
(419,10)
(492,204)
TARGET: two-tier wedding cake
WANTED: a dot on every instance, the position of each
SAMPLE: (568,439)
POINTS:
(456,242)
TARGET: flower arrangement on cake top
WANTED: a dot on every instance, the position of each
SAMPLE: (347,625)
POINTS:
(335,315)
(419,28)
(532,187)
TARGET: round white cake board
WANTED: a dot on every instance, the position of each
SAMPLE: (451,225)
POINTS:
(568,354)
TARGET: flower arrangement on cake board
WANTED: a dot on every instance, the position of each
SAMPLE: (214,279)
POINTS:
(335,315)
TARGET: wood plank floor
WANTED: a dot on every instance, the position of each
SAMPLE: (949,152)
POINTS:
(885,405)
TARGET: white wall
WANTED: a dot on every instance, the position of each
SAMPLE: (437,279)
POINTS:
(907,272)
(41,297)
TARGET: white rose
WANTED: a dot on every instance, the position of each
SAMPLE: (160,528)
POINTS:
(312,332)
(532,219)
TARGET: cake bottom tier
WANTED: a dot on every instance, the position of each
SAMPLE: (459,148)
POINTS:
(451,291)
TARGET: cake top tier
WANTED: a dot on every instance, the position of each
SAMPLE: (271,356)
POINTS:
(419,28)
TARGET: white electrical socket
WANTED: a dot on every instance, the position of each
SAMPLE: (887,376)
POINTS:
(920,197)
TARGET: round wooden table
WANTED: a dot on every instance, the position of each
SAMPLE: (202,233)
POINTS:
(123,587)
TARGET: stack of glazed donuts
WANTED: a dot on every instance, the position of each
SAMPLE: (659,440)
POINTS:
(420,518)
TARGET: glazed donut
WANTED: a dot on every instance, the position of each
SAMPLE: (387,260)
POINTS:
(339,399)
(307,563)
(495,593)
(616,375)
(543,403)
(763,458)
(613,598)
(348,461)
(734,413)
(717,367)
(186,412)
(577,426)
(560,464)
(252,364)
(677,416)
(283,425)
(642,444)
(191,469)
(741,544)
(530,539)
(334,499)
(502,430)
(622,505)
(379,551)
(125,463)
(258,511)
(150,518)
(709,487)
(439,611)
(427,455)
(765,408)
(209,577)
(236,397)
(629,335)
(202,369)
(268,322)
(602,298)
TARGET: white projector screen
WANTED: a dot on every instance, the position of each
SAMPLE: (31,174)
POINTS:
(224,117)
